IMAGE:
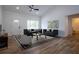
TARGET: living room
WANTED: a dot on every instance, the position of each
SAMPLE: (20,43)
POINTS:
(15,18)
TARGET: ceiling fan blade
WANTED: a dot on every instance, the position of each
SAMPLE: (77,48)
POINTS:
(36,9)
(30,7)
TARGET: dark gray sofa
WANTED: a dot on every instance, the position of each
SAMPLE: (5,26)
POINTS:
(53,33)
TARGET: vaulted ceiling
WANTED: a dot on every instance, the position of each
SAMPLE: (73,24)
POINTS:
(24,9)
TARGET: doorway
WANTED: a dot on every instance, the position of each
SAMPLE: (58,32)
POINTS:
(74,21)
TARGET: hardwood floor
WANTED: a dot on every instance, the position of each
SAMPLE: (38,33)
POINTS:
(68,45)
(12,47)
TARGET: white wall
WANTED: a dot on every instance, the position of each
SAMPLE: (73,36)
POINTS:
(60,13)
(10,26)
(0,14)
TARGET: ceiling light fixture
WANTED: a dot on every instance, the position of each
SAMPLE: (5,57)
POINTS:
(16,21)
(32,8)
(17,8)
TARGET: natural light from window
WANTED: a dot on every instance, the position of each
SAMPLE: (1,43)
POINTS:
(32,24)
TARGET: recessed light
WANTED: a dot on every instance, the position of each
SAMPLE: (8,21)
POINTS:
(17,8)
(16,21)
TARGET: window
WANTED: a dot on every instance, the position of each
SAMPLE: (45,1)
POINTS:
(32,24)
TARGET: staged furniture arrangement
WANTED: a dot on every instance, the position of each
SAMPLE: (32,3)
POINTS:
(27,32)
(23,41)
(33,32)
(52,33)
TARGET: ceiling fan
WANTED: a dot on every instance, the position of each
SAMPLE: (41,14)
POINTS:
(32,8)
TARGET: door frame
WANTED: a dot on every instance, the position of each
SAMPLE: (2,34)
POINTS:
(70,22)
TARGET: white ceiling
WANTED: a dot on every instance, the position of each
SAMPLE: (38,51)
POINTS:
(25,9)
